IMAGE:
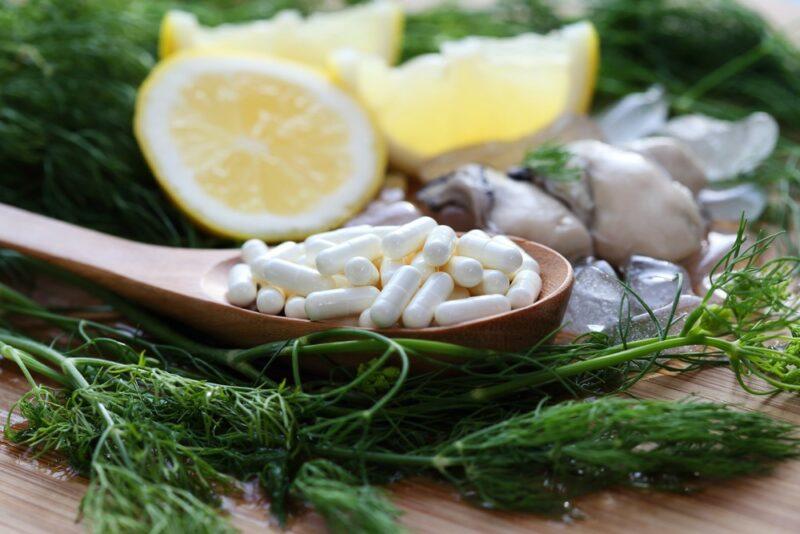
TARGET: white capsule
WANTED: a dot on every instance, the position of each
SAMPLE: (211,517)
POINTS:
(288,250)
(304,260)
(528,263)
(466,272)
(394,298)
(365,321)
(525,289)
(340,280)
(314,247)
(361,272)
(241,287)
(459,293)
(439,245)
(270,300)
(331,260)
(294,278)
(335,303)
(494,282)
(296,307)
(458,311)
(419,263)
(435,290)
(491,254)
(407,238)
(480,233)
(381,231)
(388,268)
(252,249)
(342,234)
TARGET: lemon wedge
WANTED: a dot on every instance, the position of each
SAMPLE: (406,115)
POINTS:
(375,28)
(251,146)
(475,90)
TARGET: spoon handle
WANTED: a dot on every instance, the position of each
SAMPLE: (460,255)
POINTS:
(127,267)
(82,251)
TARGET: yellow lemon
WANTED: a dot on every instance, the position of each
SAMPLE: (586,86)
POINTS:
(473,91)
(253,146)
(375,28)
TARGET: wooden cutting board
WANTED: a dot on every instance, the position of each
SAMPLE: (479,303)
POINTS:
(42,496)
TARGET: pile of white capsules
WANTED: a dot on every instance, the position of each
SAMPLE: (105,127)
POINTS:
(411,275)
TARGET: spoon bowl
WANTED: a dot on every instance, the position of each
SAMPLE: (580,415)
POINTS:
(189,285)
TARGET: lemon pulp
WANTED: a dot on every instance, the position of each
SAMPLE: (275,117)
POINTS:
(250,146)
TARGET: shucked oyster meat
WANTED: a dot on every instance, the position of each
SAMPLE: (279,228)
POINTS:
(493,201)
(639,209)
(675,157)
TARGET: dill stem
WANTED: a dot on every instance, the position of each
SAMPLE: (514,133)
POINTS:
(439,348)
(614,357)
(32,364)
(726,71)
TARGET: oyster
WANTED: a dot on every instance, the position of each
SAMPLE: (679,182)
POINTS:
(497,203)
(675,157)
(639,209)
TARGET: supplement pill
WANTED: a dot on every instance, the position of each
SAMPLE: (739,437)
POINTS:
(466,272)
(342,234)
(361,272)
(439,246)
(388,268)
(331,260)
(422,266)
(458,311)
(252,249)
(340,280)
(435,290)
(288,251)
(459,293)
(528,263)
(494,282)
(294,278)
(365,321)
(241,288)
(407,238)
(313,248)
(525,289)
(335,303)
(396,295)
(492,254)
(270,300)
(296,307)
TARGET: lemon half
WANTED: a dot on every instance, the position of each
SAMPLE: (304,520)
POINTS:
(474,91)
(252,146)
(375,28)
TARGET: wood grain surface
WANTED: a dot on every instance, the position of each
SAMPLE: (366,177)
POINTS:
(42,496)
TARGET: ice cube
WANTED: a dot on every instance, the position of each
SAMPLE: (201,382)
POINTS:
(642,326)
(595,302)
(634,116)
(729,204)
(725,148)
(655,281)
(591,261)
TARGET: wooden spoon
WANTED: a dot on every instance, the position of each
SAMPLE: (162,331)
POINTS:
(189,285)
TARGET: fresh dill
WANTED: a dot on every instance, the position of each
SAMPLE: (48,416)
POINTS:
(552,162)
